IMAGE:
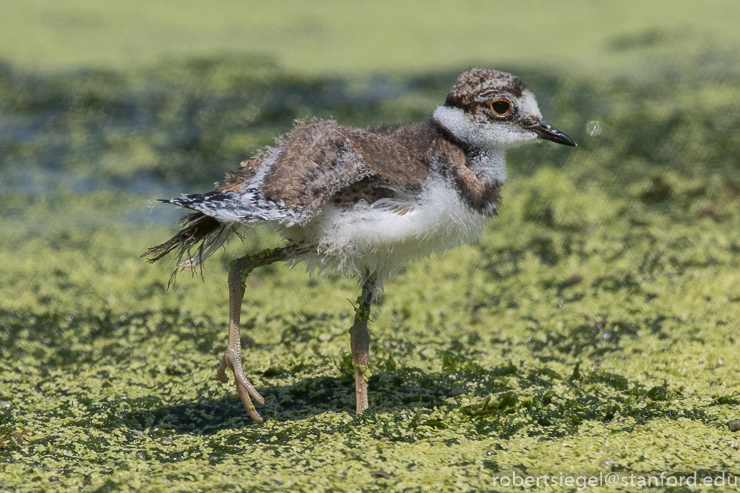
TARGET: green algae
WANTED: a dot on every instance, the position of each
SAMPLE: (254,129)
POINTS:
(592,328)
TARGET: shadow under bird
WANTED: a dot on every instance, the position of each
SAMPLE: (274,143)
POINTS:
(364,201)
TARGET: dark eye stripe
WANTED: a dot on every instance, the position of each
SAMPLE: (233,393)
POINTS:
(501,107)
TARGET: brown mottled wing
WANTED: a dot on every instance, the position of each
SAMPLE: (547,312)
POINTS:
(314,162)
(322,161)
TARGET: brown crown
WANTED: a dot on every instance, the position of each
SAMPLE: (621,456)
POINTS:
(479,80)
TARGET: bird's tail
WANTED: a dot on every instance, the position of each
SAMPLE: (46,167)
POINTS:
(199,238)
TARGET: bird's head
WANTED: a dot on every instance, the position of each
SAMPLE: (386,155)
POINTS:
(493,109)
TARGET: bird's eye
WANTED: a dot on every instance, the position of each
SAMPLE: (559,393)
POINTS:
(501,107)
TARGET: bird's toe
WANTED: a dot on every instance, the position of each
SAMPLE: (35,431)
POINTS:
(245,389)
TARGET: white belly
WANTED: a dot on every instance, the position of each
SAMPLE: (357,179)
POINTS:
(373,239)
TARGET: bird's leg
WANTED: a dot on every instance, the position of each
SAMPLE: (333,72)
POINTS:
(240,269)
(360,342)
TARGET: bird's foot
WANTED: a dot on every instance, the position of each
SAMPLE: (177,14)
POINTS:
(232,359)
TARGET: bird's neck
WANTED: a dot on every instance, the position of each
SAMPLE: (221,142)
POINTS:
(487,161)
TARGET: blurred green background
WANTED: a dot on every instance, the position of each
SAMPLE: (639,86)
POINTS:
(600,312)
(359,38)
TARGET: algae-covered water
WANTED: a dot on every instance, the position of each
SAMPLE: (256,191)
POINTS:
(592,330)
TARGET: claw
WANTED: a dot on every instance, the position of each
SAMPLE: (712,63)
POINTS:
(232,360)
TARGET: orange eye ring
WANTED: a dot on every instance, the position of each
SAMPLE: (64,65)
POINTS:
(500,107)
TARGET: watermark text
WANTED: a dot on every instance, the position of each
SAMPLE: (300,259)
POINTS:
(516,480)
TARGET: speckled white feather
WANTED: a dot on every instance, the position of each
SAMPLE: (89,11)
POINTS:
(249,206)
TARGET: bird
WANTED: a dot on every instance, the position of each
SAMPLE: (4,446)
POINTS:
(363,202)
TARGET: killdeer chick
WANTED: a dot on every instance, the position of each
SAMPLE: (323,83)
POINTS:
(364,201)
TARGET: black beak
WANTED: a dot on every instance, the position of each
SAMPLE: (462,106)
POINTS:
(548,132)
